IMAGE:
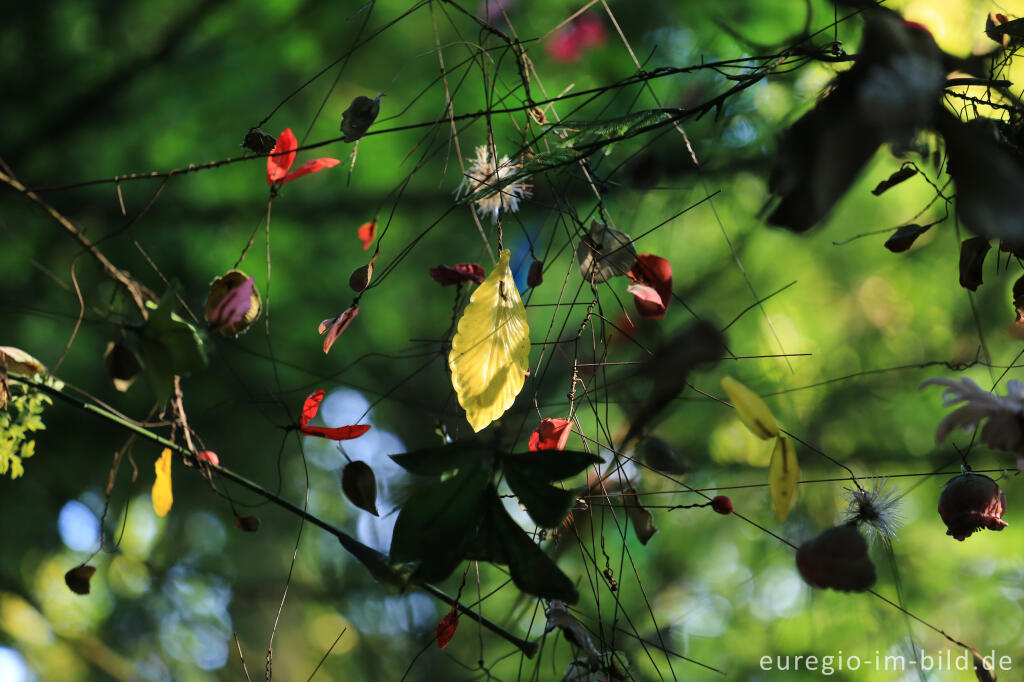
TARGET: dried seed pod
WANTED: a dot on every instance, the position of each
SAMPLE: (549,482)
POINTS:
(361,113)
(77,579)
(837,559)
(971,502)
(536,275)
(249,524)
(258,141)
(721,504)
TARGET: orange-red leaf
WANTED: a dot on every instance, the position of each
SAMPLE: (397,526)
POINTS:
(278,163)
(367,233)
(334,327)
(311,407)
(337,432)
(550,434)
(310,167)
(446,628)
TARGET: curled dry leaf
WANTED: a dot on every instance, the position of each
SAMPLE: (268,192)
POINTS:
(16,361)
(247,524)
(751,409)
(639,516)
(367,233)
(604,252)
(122,365)
(446,628)
(258,141)
(550,434)
(490,353)
(536,274)
(783,477)
(359,116)
(360,486)
(457,274)
(559,617)
(361,277)
(233,303)
(652,285)
(77,579)
(335,326)
(162,495)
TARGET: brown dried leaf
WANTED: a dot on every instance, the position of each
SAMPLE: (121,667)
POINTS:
(77,579)
(360,486)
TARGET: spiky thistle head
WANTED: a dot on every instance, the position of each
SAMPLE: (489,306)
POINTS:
(492,185)
(875,508)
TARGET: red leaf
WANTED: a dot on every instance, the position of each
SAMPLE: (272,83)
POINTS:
(446,628)
(367,233)
(336,326)
(311,407)
(336,432)
(277,166)
(209,456)
(550,434)
(310,167)
(457,274)
(655,272)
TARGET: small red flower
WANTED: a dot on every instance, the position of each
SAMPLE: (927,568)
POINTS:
(282,156)
(570,42)
(971,502)
(652,285)
(550,434)
(457,274)
(309,409)
(336,325)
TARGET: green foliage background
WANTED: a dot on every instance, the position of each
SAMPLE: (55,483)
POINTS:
(96,89)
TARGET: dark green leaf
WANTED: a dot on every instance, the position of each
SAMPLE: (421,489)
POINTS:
(438,524)
(168,346)
(436,461)
(360,486)
(532,570)
(550,465)
(546,504)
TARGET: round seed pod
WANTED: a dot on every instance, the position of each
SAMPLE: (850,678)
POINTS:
(837,559)
(972,502)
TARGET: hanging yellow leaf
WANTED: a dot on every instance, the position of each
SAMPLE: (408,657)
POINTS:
(783,475)
(162,497)
(751,409)
(490,354)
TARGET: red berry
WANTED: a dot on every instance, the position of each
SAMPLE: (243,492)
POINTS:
(722,504)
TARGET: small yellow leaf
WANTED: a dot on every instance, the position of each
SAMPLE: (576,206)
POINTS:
(751,409)
(162,497)
(783,475)
(490,354)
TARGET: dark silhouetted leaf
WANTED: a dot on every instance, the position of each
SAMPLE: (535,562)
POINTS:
(436,461)
(77,579)
(972,258)
(1018,299)
(904,236)
(248,524)
(532,570)
(549,466)
(659,455)
(438,523)
(360,486)
(902,175)
(984,668)
(536,274)
(642,520)
(546,504)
